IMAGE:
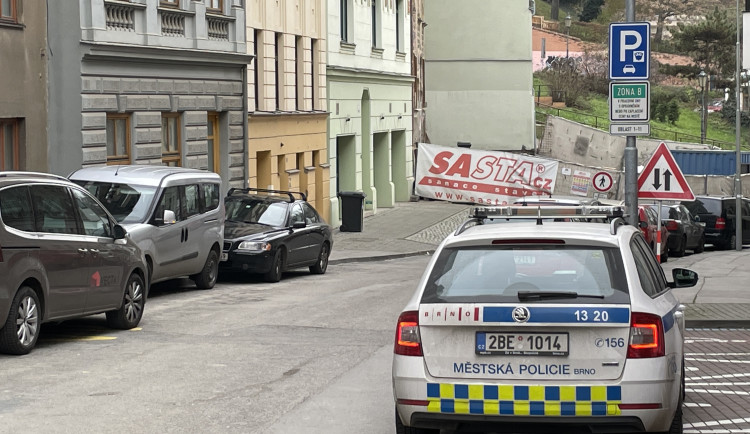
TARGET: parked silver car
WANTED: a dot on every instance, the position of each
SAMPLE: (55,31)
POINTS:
(175,215)
(62,256)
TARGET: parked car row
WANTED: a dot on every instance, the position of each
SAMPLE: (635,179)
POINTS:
(94,243)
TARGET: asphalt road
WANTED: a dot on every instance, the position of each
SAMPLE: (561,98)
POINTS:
(311,354)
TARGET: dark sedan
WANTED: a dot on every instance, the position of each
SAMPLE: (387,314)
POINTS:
(685,233)
(270,231)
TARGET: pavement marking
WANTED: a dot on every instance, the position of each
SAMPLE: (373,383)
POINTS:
(714,340)
(715,431)
(695,359)
(720,392)
(697,404)
(717,354)
(714,384)
(717,377)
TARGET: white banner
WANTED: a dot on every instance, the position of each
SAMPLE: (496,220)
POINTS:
(481,177)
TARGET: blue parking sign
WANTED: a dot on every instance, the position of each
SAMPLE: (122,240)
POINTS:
(629,51)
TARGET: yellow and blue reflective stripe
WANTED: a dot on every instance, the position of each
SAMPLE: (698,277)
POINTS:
(524,400)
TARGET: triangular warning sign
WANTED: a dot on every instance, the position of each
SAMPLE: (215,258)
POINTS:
(662,179)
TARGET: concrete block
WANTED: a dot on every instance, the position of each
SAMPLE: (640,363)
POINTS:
(181,86)
(110,85)
(149,85)
(165,86)
(236,118)
(130,85)
(229,102)
(91,85)
(227,87)
(211,86)
(136,102)
(206,102)
(94,121)
(235,132)
(196,162)
(185,103)
(94,155)
(195,133)
(160,102)
(147,119)
(99,103)
(197,86)
(195,118)
(236,146)
(147,135)
(147,151)
(235,160)
(196,147)
(94,138)
(237,173)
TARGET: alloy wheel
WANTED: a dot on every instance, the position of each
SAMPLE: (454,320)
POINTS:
(27,322)
(133,300)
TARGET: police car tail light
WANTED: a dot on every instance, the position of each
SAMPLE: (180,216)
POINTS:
(407,335)
(646,336)
(720,223)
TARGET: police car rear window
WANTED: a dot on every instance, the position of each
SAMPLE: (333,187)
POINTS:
(550,273)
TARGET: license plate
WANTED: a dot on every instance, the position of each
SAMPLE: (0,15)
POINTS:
(522,344)
(224,257)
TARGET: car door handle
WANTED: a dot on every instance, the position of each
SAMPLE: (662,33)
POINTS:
(83,251)
(186,234)
(94,251)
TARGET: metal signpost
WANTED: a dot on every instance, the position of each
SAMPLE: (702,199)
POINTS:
(629,59)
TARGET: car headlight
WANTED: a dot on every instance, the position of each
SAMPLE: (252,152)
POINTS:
(254,246)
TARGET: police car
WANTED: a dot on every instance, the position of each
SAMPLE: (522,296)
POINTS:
(550,324)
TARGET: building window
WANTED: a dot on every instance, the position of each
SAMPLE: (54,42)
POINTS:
(8,10)
(212,135)
(170,3)
(118,138)
(344,20)
(375,6)
(258,70)
(170,139)
(215,5)
(279,51)
(9,144)
(400,26)
(314,47)
(299,73)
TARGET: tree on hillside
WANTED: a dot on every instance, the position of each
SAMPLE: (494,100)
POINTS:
(710,43)
(661,10)
(591,10)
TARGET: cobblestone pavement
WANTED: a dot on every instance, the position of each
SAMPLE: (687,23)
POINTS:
(717,381)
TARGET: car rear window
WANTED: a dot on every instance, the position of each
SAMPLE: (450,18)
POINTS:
(496,274)
(704,206)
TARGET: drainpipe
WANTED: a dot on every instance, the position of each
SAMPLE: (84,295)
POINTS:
(245,132)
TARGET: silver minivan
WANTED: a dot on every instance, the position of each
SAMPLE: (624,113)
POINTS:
(175,214)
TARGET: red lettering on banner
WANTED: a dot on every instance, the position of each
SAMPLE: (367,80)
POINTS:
(441,163)
(505,164)
(521,173)
(460,167)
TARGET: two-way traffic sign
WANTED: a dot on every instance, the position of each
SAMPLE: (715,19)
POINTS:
(662,179)
(629,51)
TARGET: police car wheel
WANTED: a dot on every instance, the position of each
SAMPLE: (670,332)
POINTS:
(676,427)
(402,429)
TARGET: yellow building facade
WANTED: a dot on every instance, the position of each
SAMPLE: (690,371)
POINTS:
(287,123)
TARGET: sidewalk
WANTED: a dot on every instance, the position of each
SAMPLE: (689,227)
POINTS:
(721,298)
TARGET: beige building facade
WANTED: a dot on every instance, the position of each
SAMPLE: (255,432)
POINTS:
(418,25)
(23,88)
(287,148)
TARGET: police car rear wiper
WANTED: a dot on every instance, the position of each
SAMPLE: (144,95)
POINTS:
(539,295)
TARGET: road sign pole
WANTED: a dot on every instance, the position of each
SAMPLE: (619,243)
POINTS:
(631,151)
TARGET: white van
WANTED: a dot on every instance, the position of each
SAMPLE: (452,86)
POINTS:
(174,214)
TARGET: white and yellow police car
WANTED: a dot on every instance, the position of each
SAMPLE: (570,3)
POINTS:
(551,322)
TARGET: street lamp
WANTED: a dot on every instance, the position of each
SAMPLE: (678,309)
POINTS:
(702,82)
(568,21)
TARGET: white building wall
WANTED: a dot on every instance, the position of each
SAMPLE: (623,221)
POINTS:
(478,68)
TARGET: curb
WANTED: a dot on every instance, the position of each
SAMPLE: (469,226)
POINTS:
(379,257)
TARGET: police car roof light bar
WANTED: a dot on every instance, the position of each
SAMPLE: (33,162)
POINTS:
(547,212)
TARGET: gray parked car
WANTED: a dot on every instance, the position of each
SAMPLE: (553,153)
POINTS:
(62,256)
(175,215)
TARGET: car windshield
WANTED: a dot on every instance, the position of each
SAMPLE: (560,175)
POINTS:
(508,274)
(128,203)
(255,210)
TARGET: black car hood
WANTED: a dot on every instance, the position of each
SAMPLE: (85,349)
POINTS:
(236,230)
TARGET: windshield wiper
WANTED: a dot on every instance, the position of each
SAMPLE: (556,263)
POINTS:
(539,295)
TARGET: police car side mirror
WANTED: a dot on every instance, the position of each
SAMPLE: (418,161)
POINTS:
(683,278)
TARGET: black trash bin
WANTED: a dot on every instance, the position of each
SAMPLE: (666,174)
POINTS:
(352,211)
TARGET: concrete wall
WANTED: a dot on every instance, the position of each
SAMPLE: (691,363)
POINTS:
(23,89)
(479,74)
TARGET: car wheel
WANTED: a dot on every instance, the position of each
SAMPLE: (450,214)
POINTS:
(680,252)
(133,301)
(21,330)
(277,267)
(732,242)
(701,245)
(676,426)
(206,279)
(664,256)
(401,429)
(321,266)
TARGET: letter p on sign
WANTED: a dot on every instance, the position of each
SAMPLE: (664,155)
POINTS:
(625,46)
